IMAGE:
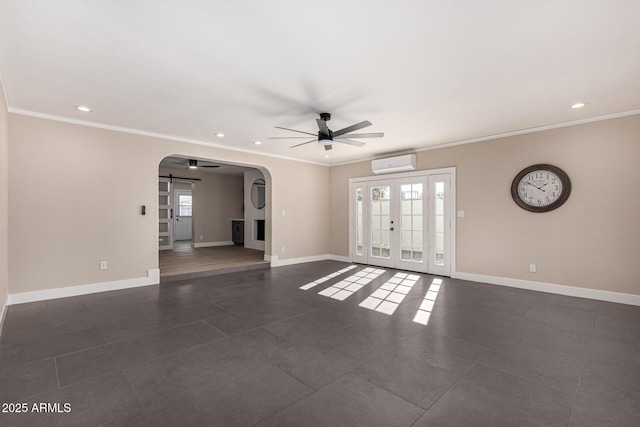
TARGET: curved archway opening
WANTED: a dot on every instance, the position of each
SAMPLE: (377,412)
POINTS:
(208,223)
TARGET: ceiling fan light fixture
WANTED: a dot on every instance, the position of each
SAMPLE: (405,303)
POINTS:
(325,141)
(193,164)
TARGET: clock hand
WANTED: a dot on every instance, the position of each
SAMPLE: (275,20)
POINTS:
(535,186)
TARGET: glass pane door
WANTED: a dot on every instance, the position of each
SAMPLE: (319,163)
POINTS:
(380,223)
(403,222)
(412,226)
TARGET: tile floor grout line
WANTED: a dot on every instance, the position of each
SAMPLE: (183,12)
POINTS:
(584,363)
(132,388)
(383,388)
(145,360)
(55,364)
(573,404)
(313,391)
(538,383)
(462,375)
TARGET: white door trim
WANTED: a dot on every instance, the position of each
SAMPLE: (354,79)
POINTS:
(353,182)
(177,192)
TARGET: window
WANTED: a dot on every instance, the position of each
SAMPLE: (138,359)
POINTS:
(185,204)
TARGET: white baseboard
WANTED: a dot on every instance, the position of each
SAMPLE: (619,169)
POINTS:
(339,258)
(153,278)
(551,288)
(290,261)
(210,244)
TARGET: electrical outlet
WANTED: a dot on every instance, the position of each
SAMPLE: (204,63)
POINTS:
(532,268)
(201,237)
(283,249)
(103,265)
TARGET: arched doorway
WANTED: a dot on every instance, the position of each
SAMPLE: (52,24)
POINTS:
(208,223)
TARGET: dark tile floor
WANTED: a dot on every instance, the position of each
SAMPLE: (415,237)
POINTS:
(251,348)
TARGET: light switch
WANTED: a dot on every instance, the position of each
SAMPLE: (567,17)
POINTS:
(460,214)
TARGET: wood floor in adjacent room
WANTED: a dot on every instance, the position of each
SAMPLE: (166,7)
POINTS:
(183,259)
(322,344)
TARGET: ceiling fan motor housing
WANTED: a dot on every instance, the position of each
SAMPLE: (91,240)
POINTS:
(325,138)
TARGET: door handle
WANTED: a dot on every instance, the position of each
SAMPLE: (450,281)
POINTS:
(391,229)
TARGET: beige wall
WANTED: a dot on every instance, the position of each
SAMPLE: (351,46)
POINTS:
(593,241)
(217,198)
(76,193)
(4,204)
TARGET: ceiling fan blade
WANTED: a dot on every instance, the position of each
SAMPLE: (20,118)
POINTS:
(209,166)
(287,137)
(322,125)
(293,130)
(363,135)
(350,142)
(352,128)
(308,142)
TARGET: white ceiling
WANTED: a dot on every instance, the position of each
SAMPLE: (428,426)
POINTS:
(423,72)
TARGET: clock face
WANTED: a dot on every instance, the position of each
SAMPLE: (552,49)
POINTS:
(541,188)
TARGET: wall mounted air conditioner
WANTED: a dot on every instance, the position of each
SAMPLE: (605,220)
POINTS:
(394,164)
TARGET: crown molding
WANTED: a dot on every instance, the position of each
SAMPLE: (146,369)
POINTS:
(153,135)
(497,136)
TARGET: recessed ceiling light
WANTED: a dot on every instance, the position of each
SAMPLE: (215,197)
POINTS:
(220,135)
(82,108)
(326,156)
(257,142)
(578,105)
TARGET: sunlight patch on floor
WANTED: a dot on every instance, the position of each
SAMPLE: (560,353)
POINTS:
(327,277)
(389,296)
(345,288)
(424,312)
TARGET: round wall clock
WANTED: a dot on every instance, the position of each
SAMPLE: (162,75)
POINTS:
(541,188)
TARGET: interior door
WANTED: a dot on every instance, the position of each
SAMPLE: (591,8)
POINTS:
(183,214)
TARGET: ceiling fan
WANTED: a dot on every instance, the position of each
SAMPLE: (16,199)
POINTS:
(326,136)
(193,164)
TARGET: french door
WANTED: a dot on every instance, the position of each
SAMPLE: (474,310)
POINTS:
(403,222)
